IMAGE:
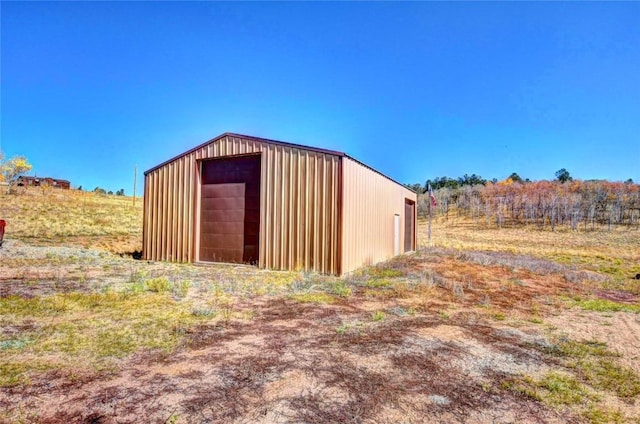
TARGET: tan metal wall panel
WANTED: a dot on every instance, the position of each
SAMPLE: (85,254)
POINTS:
(370,201)
(298,206)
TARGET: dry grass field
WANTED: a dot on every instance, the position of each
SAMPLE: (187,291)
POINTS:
(74,218)
(484,326)
(615,253)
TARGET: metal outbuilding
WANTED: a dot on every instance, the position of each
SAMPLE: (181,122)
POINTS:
(243,199)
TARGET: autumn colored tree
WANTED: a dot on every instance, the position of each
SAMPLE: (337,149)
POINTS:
(12,169)
(545,204)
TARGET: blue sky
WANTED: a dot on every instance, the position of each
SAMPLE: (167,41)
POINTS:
(416,90)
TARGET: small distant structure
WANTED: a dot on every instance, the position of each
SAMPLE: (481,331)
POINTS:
(25,181)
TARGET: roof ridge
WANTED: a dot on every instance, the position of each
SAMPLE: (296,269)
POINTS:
(271,141)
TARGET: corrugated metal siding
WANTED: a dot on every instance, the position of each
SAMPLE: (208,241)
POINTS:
(168,208)
(298,207)
(370,201)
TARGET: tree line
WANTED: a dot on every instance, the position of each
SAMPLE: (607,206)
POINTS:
(546,204)
(103,192)
(562,175)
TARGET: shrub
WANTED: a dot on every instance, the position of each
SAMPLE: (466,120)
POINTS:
(158,285)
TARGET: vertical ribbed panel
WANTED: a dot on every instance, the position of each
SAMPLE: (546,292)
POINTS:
(299,203)
(370,202)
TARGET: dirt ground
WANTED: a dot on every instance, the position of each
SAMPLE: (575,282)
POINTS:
(428,338)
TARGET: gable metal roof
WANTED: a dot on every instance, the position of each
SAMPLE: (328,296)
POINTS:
(248,137)
(276,142)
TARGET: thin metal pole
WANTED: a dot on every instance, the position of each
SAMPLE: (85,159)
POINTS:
(429,231)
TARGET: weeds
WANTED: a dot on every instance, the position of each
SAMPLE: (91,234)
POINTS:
(383,272)
(378,283)
(595,368)
(226,311)
(444,315)
(158,285)
(137,276)
(553,389)
(603,415)
(559,389)
(604,305)
(378,316)
(181,289)
(14,372)
(343,328)
(582,349)
(341,289)
(15,344)
(204,312)
(498,316)
(607,375)
(349,327)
